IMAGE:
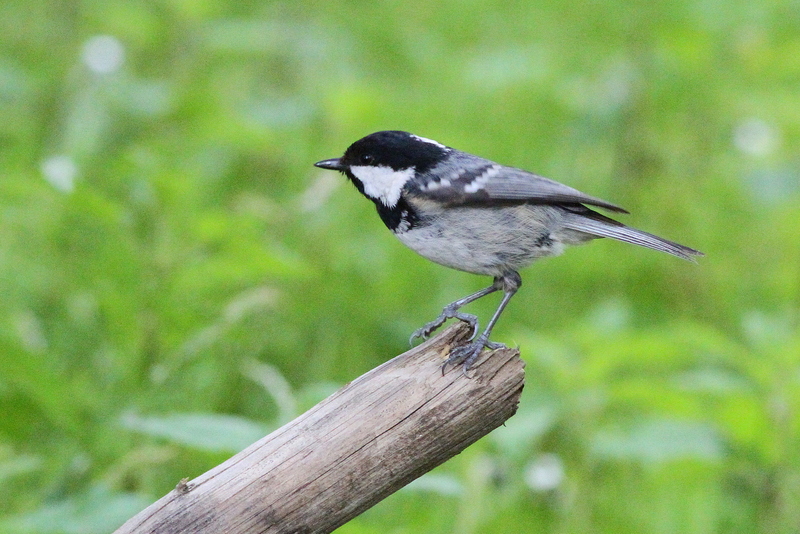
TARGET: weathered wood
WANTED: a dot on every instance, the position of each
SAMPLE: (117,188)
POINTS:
(351,450)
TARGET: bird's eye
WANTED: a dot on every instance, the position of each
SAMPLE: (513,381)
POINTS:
(366,159)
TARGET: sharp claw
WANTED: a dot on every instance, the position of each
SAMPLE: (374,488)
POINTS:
(464,372)
(417,333)
(474,330)
(471,320)
(468,354)
(429,328)
(426,331)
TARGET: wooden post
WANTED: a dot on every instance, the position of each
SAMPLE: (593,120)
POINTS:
(364,442)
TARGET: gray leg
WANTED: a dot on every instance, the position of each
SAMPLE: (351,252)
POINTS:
(451,312)
(467,354)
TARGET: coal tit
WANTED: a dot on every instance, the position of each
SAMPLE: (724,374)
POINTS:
(478,216)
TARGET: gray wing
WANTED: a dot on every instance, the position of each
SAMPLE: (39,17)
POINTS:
(466,179)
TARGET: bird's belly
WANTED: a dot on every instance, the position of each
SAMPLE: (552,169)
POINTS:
(484,240)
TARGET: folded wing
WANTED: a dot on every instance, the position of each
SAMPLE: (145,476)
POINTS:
(466,179)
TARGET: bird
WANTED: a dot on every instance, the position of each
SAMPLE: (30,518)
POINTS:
(474,215)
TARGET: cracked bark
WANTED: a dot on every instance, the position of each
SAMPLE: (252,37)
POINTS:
(364,442)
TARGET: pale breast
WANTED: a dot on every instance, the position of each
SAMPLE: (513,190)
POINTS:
(486,240)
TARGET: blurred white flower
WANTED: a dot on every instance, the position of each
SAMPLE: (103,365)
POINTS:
(545,473)
(755,137)
(30,331)
(103,54)
(60,171)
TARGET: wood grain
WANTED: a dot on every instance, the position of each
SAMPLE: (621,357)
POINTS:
(367,440)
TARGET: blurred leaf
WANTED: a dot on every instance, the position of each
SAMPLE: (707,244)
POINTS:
(203,431)
(659,441)
(276,385)
(37,377)
(713,380)
(98,510)
(768,330)
(530,424)
(14,465)
(438,483)
(314,393)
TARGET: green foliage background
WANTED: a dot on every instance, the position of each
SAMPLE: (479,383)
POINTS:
(177,279)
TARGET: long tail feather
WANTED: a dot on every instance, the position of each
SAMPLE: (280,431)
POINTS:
(593,223)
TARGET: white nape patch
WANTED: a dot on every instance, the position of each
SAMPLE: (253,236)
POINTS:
(426,140)
(381,182)
(481,180)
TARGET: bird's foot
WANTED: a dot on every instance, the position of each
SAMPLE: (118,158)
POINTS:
(468,354)
(429,328)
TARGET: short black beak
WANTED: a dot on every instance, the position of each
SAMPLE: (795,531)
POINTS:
(333,164)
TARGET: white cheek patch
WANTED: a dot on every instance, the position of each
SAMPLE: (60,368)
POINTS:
(481,180)
(426,140)
(382,183)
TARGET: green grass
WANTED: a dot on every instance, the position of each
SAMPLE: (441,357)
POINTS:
(177,278)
